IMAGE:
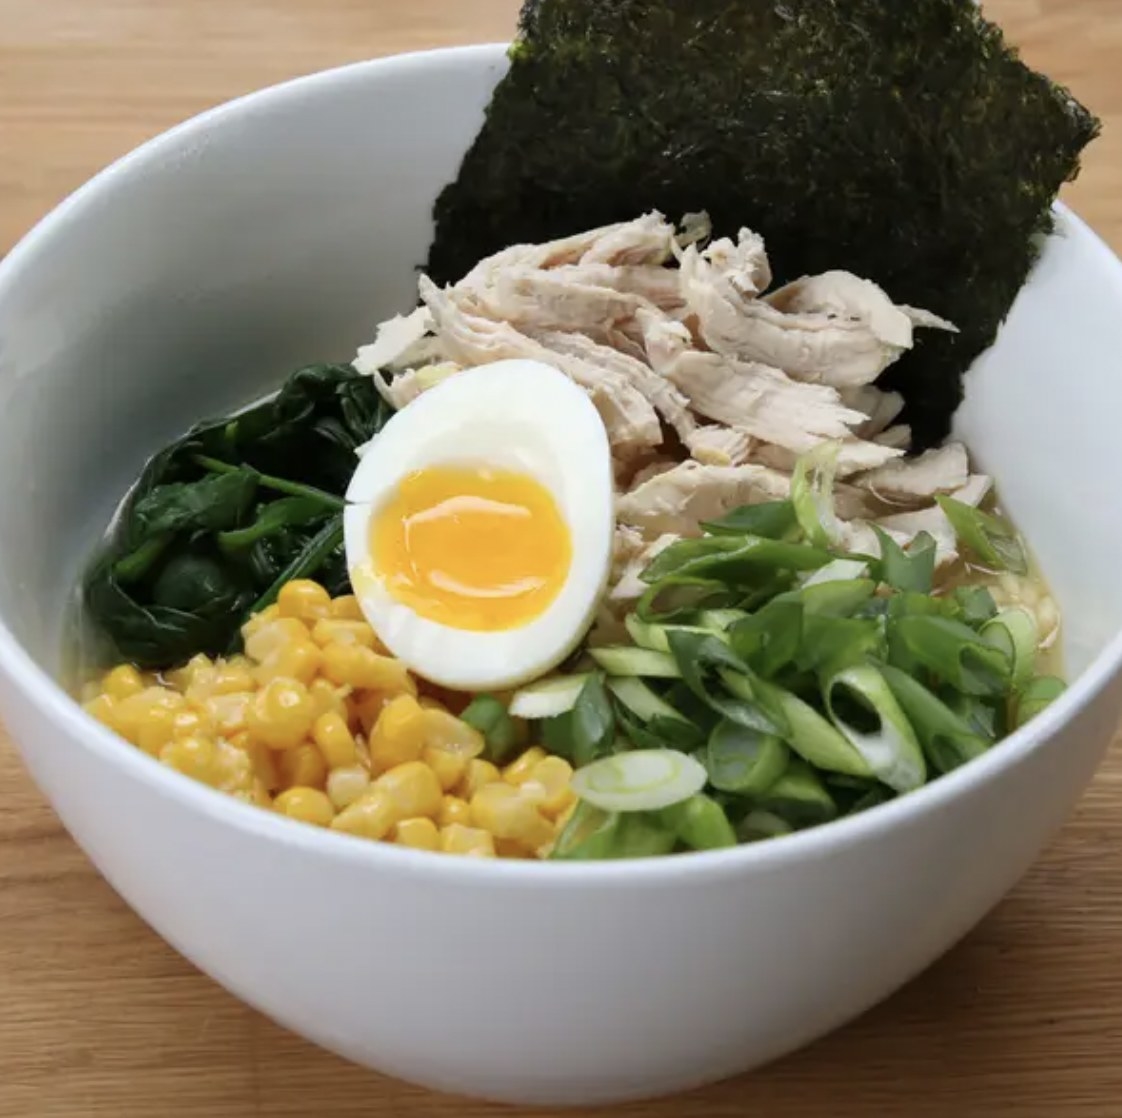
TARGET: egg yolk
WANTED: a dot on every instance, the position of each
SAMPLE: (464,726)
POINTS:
(471,547)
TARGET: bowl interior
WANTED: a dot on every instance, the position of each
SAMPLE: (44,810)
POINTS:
(280,229)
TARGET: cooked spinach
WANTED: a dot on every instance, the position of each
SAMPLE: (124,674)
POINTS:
(223,517)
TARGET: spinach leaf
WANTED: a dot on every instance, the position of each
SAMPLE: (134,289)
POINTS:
(220,519)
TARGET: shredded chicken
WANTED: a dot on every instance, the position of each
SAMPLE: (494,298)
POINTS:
(630,420)
(720,446)
(917,480)
(679,501)
(683,351)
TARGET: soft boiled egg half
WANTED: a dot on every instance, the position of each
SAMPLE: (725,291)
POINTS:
(479,526)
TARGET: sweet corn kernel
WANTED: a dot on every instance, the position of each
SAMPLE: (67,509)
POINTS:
(458,839)
(371,817)
(367,709)
(549,786)
(304,599)
(329,699)
(102,708)
(358,666)
(303,766)
(429,703)
(345,786)
(398,735)
(335,740)
(233,768)
(228,713)
(191,723)
(123,681)
(297,660)
(197,672)
(259,621)
(281,714)
(420,834)
(453,810)
(262,758)
(231,677)
(412,789)
(147,718)
(445,731)
(449,767)
(478,774)
(275,635)
(193,757)
(501,809)
(332,630)
(89,691)
(518,771)
(346,608)
(309,805)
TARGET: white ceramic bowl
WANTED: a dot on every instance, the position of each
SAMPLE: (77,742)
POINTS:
(279,229)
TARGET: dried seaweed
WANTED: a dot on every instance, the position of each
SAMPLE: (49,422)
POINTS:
(904,142)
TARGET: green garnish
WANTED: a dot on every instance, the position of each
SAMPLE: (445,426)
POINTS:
(222,518)
(488,715)
(994,542)
(818,696)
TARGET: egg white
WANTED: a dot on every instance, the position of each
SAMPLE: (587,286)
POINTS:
(521,416)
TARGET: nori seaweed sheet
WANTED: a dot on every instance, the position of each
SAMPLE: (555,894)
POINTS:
(905,142)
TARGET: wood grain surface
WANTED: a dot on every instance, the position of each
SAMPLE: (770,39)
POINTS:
(98,1017)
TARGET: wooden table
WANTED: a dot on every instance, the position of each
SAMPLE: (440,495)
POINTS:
(99,1017)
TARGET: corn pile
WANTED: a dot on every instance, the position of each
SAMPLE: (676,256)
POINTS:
(318,723)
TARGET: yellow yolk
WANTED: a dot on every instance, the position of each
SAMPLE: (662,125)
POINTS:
(472,547)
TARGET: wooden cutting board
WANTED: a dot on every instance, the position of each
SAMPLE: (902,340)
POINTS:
(98,1017)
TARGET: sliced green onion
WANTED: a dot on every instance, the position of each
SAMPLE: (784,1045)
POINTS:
(595,835)
(952,650)
(1015,632)
(700,823)
(773,520)
(992,540)
(700,658)
(654,637)
(834,599)
(1037,696)
(641,700)
(547,698)
(743,761)
(636,662)
(732,560)
(487,715)
(593,723)
(681,597)
(800,798)
(913,569)
(948,740)
(832,643)
(557,735)
(812,495)
(884,737)
(769,639)
(719,621)
(840,570)
(758,826)
(810,735)
(643,780)
(976,604)
(874,797)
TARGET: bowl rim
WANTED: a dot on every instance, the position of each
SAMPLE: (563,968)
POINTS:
(52,702)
